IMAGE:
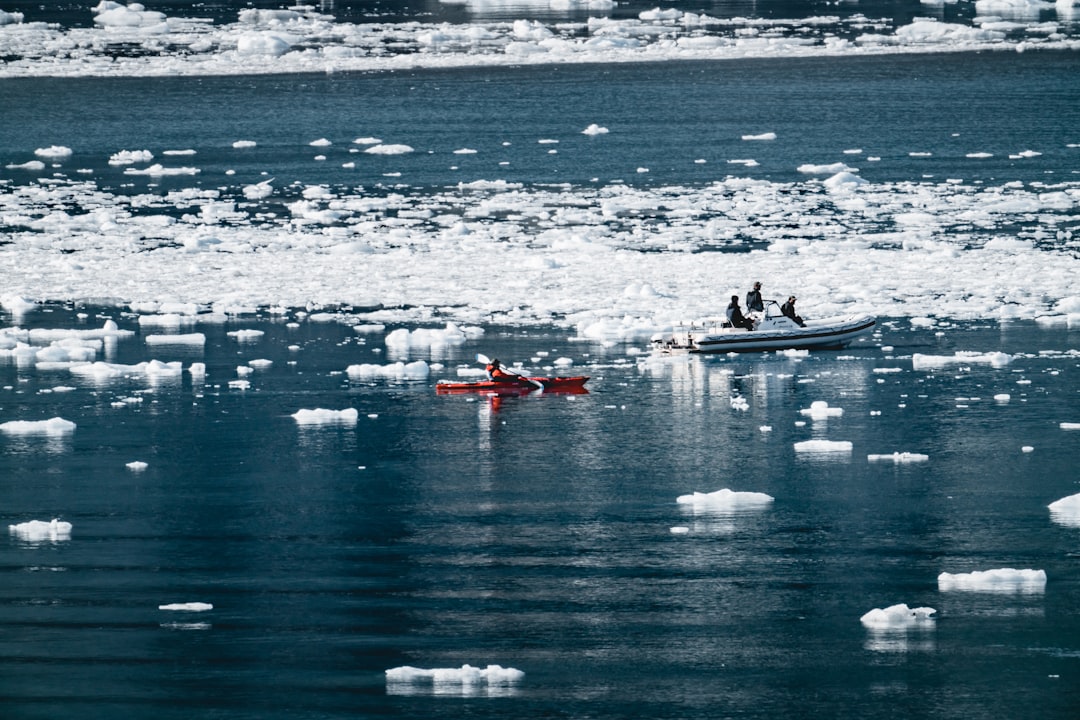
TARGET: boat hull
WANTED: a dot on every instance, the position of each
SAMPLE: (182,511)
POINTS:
(832,334)
(574,385)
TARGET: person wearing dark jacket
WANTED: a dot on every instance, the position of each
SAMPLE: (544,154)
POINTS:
(788,309)
(754,303)
(735,315)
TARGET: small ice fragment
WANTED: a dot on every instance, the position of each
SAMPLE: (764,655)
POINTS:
(187,607)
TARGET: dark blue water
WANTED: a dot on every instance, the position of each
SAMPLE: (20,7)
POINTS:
(536,533)
(662,117)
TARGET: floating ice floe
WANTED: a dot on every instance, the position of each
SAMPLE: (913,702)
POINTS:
(245,335)
(762,136)
(1066,511)
(1069,426)
(55,152)
(31,165)
(1002,580)
(402,339)
(899,458)
(136,466)
(159,170)
(41,530)
(167,320)
(416,370)
(930,362)
(381,149)
(178,339)
(320,416)
(825,447)
(820,410)
(187,607)
(130,157)
(263,40)
(54,426)
(151,369)
(898,617)
(725,499)
(594,129)
(465,675)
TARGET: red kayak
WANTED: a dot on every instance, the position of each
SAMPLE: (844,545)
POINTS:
(564,385)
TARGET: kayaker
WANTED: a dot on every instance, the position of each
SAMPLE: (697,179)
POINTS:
(735,316)
(497,374)
(754,303)
(788,309)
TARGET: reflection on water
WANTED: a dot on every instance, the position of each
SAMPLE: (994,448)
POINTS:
(541,532)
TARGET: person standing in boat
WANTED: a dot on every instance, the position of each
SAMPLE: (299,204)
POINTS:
(788,309)
(735,315)
(496,373)
(754,303)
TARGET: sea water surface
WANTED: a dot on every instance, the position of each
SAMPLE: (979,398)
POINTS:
(541,533)
(915,118)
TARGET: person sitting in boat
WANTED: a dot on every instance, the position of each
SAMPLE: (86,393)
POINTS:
(735,315)
(497,374)
(788,309)
(754,303)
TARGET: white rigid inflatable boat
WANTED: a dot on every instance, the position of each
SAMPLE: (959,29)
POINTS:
(772,331)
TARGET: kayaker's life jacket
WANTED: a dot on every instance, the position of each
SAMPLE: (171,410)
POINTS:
(496,373)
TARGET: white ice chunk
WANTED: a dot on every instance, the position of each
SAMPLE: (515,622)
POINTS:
(820,410)
(417,370)
(245,335)
(897,617)
(40,530)
(180,339)
(725,499)
(264,44)
(1066,511)
(929,362)
(130,157)
(898,458)
(52,427)
(1002,580)
(465,675)
(319,416)
(402,339)
(187,607)
(823,446)
(388,149)
(54,152)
